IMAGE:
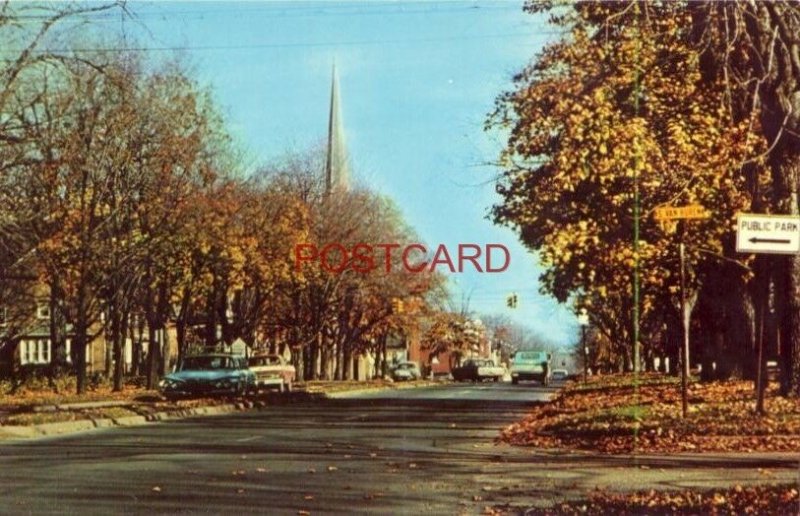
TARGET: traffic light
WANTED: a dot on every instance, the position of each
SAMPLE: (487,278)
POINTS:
(397,306)
(511,301)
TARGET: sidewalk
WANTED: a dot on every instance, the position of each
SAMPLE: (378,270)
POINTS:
(562,482)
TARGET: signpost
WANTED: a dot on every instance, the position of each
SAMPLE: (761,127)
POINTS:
(772,234)
(668,215)
(690,211)
(766,234)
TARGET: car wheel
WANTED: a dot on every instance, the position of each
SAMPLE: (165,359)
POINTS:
(515,381)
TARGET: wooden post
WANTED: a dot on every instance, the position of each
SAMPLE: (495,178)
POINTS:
(762,300)
(685,323)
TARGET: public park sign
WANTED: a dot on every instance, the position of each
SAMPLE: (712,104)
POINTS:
(775,234)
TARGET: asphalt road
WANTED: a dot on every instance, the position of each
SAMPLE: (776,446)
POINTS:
(416,451)
(424,450)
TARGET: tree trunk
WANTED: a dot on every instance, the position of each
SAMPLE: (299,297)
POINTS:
(211,319)
(789,165)
(791,326)
(79,343)
(79,351)
(181,324)
(137,335)
(58,330)
(117,338)
(314,355)
(348,360)
(153,346)
(339,361)
(153,356)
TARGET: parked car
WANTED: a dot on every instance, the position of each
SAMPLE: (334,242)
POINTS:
(406,371)
(478,370)
(531,365)
(209,375)
(272,371)
(559,374)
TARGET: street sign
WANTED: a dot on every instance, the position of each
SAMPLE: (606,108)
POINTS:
(690,211)
(774,234)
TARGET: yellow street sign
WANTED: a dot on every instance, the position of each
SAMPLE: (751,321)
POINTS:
(690,211)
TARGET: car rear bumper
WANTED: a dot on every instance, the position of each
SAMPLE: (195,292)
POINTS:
(520,375)
(270,382)
(189,393)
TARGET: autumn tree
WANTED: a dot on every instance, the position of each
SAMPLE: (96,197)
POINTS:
(331,314)
(454,334)
(29,38)
(750,49)
(607,124)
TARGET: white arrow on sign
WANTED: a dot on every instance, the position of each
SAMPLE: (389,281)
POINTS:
(774,234)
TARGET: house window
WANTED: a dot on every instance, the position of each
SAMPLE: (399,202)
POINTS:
(40,351)
(43,351)
(35,351)
(43,312)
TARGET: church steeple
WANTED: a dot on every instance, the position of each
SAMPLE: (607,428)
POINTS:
(337,173)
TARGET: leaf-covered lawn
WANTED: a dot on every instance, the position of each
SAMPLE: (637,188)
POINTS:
(28,397)
(611,415)
(767,499)
(23,407)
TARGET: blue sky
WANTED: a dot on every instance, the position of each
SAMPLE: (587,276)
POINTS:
(416,82)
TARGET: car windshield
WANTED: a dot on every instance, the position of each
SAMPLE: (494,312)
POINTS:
(265,361)
(203,363)
(531,356)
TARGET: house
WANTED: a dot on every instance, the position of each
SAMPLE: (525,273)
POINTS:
(31,346)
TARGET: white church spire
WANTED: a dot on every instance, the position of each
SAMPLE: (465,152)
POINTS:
(337,173)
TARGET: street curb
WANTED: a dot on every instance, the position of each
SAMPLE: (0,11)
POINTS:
(82,425)
(13,432)
(393,387)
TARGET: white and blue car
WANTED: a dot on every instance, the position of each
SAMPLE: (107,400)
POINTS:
(209,375)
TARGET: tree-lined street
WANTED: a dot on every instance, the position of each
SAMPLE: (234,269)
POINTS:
(414,451)
(365,205)
(426,450)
